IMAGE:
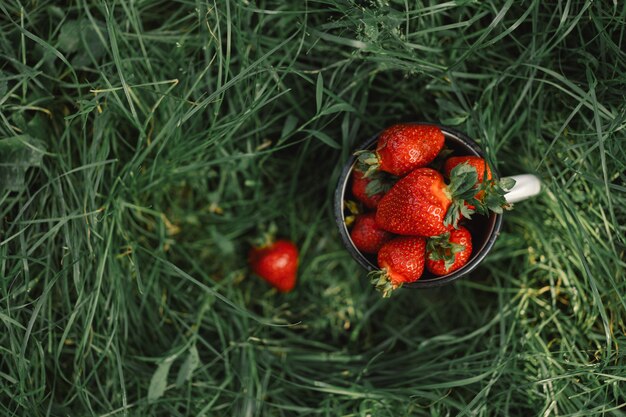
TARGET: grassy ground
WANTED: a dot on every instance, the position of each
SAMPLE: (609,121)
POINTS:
(144,141)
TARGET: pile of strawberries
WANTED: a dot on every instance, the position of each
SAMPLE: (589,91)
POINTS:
(410,213)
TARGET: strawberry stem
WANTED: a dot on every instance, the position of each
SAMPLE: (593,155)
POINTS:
(484,197)
(380,183)
(492,198)
(382,282)
(463,179)
(440,248)
(266,236)
(367,162)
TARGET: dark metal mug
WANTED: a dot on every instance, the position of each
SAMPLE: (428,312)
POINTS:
(484,230)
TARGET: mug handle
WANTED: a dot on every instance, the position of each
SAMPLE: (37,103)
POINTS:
(526,186)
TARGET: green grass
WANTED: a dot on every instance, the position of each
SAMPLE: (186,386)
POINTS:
(143,143)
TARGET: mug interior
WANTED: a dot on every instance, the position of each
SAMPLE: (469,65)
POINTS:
(484,229)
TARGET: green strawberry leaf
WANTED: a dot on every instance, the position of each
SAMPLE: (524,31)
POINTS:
(463,178)
(453,214)
(493,196)
(374,187)
(507,183)
(382,282)
(457,210)
(466,212)
(439,248)
(367,162)
(495,201)
(380,183)
(266,235)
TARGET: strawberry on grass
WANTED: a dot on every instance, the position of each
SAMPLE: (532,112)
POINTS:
(401,148)
(401,260)
(276,262)
(448,252)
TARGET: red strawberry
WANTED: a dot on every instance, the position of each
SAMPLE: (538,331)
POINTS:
(448,252)
(403,147)
(489,193)
(360,188)
(401,260)
(475,161)
(416,205)
(277,263)
(366,235)
(422,204)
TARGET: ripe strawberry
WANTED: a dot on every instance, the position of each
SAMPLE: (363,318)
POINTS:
(401,260)
(475,161)
(448,252)
(403,147)
(369,190)
(366,235)
(422,204)
(416,205)
(277,263)
(489,194)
